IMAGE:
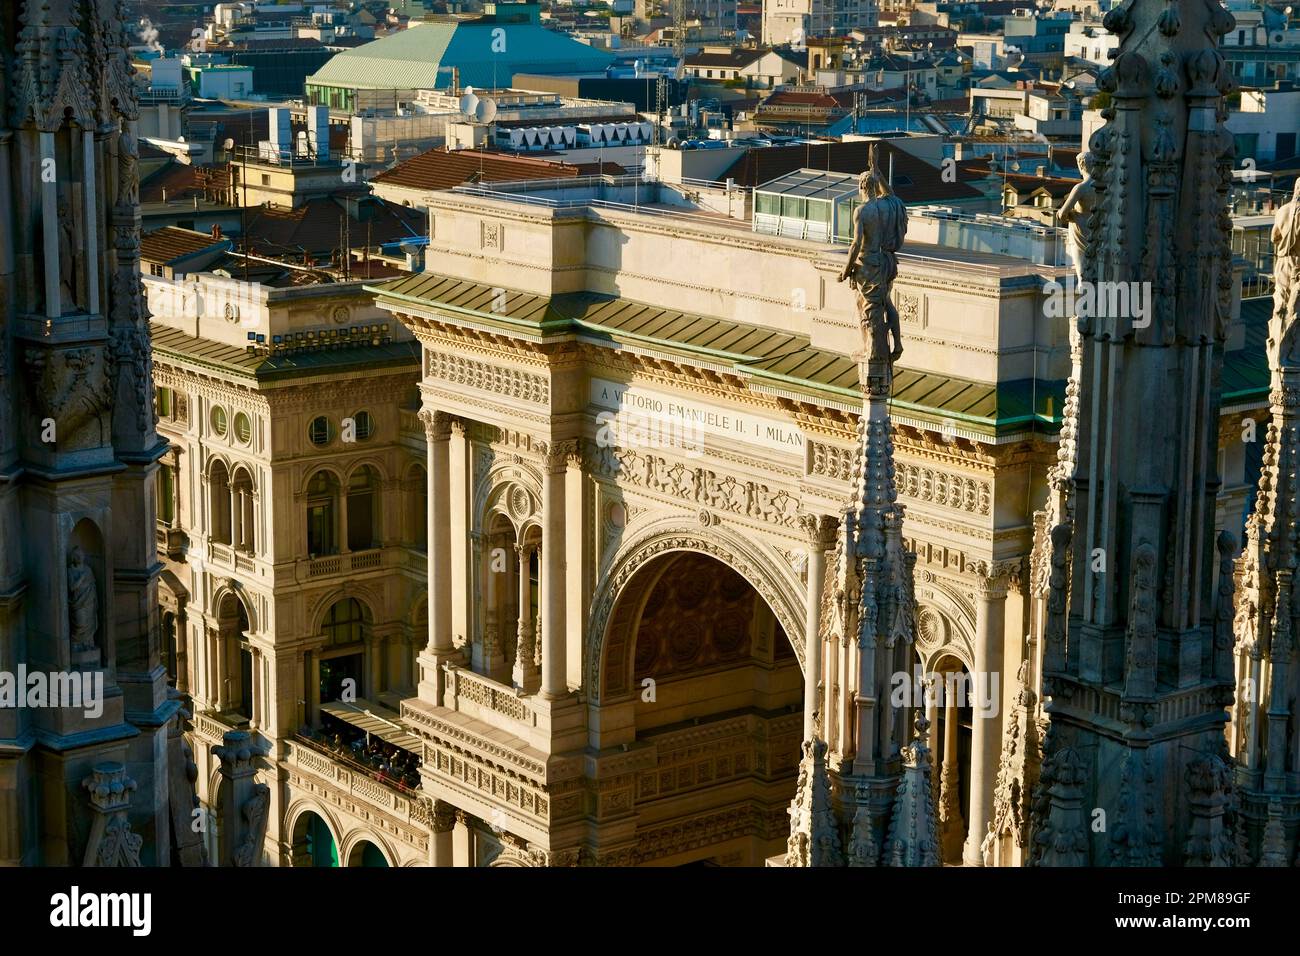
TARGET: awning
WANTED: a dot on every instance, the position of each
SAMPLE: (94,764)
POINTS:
(361,714)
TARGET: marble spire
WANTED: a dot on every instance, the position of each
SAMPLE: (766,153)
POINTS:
(1134,676)
(869,624)
(1264,628)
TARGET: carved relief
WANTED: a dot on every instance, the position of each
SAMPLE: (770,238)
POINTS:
(922,483)
(721,492)
(511,382)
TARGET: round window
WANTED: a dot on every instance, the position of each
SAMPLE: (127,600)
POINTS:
(319,430)
(243,428)
(365,425)
(218,419)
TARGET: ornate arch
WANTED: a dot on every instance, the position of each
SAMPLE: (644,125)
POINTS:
(246,468)
(360,592)
(496,480)
(945,621)
(610,635)
(316,469)
(301,805)
(362,835)
(369,461)
(229,587)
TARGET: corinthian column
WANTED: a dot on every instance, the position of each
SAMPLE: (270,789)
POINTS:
(525,671)
(986,729)
(820,531)
(555,682)
(437,431)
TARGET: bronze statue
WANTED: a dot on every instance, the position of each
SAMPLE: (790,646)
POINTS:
(1286,277)
(879,225)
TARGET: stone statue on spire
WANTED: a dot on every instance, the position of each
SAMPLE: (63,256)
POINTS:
(1286,277)
(879,225)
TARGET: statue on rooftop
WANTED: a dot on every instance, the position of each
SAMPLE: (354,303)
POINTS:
(1286,284)
(1075,212)
(879,225)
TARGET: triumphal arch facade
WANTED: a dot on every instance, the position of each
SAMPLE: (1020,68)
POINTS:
(643,430)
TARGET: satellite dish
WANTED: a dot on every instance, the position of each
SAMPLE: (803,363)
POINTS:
(468,102)
(228,145)
(485,111)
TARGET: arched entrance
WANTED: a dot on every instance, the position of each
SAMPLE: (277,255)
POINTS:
(698,666)
(367,854)
(952,716)
(313,843)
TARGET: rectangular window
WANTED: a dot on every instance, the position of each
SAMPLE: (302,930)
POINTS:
(165,405)
(794,207)
(320,528)
(166,495)
(767,204)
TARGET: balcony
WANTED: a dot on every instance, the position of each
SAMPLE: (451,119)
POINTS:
(171,542)
(317,769)
(350,562)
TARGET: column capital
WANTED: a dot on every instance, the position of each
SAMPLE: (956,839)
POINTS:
(819,530)
(994,578)
(437,424)
(558,455)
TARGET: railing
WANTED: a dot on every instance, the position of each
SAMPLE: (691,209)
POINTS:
(323,566)
(220,552)
(366,560)
(212,727)
(483,693)
(491,192)
(332,564)
(357,782)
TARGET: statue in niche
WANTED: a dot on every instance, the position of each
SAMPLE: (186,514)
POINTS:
(879,225)
(1286,283)
(1075,213)
(128,182)
(83,602)
(67,257)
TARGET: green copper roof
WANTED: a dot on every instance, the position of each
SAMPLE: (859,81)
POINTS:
(267,368)
(785,359)
(416,58)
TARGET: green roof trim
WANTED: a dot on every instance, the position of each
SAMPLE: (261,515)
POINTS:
(263,367)
(787,360)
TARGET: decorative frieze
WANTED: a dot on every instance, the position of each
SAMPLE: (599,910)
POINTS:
(499,379)
(962,492)
(698,485)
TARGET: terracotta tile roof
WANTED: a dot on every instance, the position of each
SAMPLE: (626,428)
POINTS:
(1056,187)
(792,98)
(313,228)
(171,243)
(442,169)
(915,180)
(736,59)
(172,182)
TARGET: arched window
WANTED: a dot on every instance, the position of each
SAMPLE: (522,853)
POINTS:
(363,509)
(219,497)
(343,655)
(322,506)
(244,518)
(344,623)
